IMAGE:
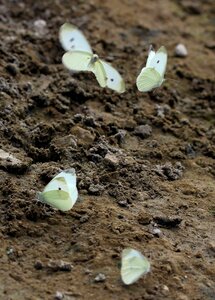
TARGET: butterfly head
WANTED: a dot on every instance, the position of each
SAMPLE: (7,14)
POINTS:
(94,58)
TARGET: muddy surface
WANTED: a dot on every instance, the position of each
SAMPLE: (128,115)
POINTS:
(144,161)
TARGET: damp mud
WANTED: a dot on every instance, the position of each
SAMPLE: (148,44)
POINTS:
(145,162)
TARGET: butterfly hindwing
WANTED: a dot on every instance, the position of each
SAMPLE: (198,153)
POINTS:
(148,79)
(99,71)
(77,60)
(72,39)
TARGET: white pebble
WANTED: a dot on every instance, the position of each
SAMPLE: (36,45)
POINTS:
(40,26)
(181,50)
(165,288)
(100,277)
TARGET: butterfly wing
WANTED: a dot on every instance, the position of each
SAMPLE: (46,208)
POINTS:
(134,265)
(99,71)
(77,60)
(150,56)
(58,191)
(114,80)
(148,79)
(72,39)
(70,177)
(158,61)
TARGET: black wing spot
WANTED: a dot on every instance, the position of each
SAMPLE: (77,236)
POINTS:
(72,40)
(158,62)
(72,46)
(59,189)
(112,79)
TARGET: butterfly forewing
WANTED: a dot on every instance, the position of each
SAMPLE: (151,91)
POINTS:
(72,39)
(70,177)
(150,57)
(114,79)
(159,61)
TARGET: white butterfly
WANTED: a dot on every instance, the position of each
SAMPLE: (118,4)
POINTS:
(152,75)
(133,266)
(61,192)
(80,57)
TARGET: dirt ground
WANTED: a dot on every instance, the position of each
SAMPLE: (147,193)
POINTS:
(150,188)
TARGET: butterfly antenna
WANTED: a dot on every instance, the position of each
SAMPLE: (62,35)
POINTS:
(151,48)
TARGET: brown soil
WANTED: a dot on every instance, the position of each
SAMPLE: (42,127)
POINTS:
(130,184)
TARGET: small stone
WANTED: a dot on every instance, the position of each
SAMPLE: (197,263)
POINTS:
(96,158)
(120,135)
(64,296)
(59,266)
(64,266)
(167,221)
(38,265)
(143,131)
(123,203)
(12,69)
(78,118)
(95,189)
(181,297)
(181,50)
(169,172)
(211,247)
(90,122)
(100,277)
(157,232)
(59,296)
(83,136)
(165,288)
(84,218)
(162,110)
(111,160)
(10,162)
(40,26)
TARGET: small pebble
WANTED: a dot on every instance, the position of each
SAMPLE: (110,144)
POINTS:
(38,265)
(100,277)
(90,122)
(111,160)
(40,26)
(12,69)
(78,118)
(143,131)
(165,288)
(157,232)
(120,135)
(181,50)
(59,296)
(95,189)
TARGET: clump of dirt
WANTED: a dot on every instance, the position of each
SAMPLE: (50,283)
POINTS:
(144,161)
